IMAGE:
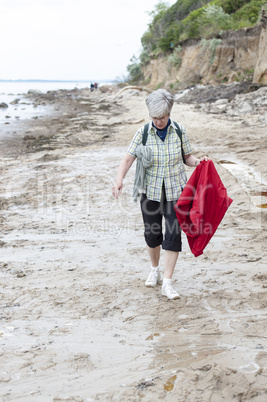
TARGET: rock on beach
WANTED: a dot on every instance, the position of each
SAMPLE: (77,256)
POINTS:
(34,91)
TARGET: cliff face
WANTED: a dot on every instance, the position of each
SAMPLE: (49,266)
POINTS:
(239,54)
(260,74)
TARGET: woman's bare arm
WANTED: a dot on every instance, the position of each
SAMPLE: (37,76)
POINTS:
(125,165)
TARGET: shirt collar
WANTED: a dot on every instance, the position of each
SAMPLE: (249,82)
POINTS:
(153,129)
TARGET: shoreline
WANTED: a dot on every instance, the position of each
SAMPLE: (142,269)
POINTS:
(53,108)
(77,322)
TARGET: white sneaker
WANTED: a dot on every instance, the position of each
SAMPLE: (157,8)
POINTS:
(153,278)
(167,290)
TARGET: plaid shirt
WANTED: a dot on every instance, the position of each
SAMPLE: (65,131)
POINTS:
(167,166)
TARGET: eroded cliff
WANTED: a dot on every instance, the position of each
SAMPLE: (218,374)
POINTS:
(237,55)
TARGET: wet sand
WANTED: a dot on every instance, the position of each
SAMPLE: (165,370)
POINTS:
(77,322)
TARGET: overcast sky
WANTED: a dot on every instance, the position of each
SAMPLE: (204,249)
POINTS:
(71,39)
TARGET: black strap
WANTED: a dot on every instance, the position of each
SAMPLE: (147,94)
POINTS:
(178,131)
(180,134)
(145,133)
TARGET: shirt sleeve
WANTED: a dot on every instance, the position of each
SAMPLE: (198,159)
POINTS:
(185,141)
(136,141)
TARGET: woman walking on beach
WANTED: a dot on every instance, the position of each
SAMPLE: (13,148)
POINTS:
(161,177)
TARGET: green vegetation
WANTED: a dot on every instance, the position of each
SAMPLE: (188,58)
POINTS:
(213,20)
(212,44)
(160,85)
(134,70)
(191,19)
(175,58)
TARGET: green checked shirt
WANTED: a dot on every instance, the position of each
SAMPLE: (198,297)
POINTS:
(167,166)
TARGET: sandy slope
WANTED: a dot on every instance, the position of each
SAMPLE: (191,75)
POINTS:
(77,323)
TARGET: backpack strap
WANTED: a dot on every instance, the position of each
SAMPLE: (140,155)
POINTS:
(145,133)
(178,131)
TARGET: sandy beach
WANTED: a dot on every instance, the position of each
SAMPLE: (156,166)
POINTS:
(77,322)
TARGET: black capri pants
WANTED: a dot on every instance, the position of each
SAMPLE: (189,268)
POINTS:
(153,213)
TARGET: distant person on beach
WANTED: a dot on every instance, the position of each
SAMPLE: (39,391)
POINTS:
(96,85)
(161,177)
(92,87)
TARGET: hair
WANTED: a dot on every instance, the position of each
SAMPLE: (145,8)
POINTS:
(159,103)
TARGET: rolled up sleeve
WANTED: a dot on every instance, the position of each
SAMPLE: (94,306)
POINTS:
(185,141)
(136,141)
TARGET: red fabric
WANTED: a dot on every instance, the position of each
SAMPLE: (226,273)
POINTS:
(202,206)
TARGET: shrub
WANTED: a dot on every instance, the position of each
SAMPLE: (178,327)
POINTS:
(231,6)
(191,25)
(134,70)
(171,37)
(144,57)
(175,59)
(150,39)
(250,12)
(212,44)
(213,20)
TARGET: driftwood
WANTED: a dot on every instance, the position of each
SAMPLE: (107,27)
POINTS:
(132,121)
(132,87)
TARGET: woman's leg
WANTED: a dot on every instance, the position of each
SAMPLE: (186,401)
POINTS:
(154,254)
(170,262)
(172,245)
(154,277)
(152,217)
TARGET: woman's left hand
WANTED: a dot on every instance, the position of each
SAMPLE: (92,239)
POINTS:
(192,161)
(198,161)
(204,158)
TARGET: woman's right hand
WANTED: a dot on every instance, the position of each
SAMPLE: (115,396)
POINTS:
(117,189)
(125,165)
